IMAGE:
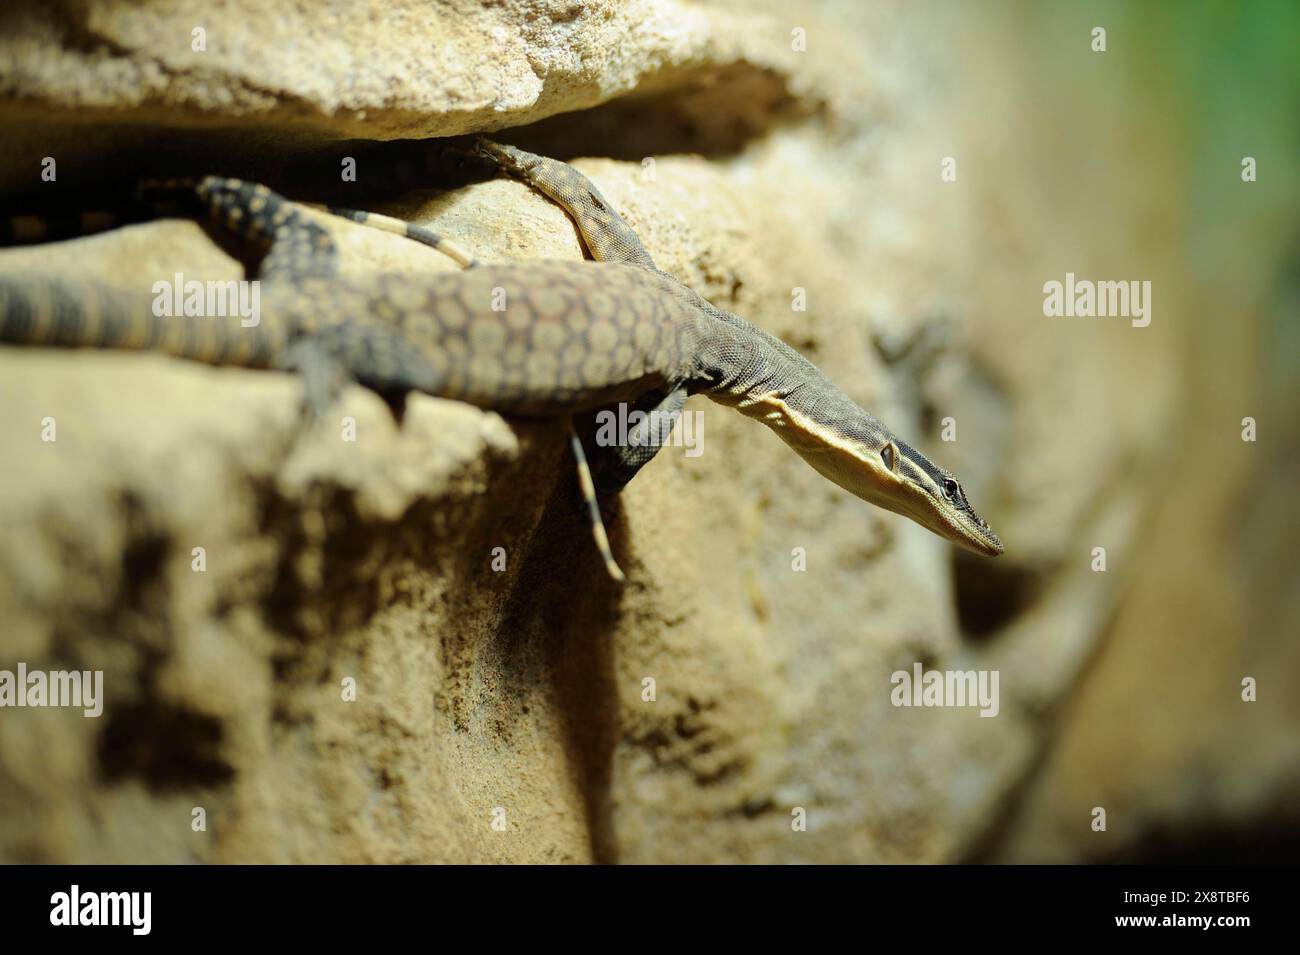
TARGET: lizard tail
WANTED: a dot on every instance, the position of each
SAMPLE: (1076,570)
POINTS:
(31,229)
(51,312)
(410,230)
(151,200)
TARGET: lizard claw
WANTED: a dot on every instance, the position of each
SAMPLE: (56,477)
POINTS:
(507,158)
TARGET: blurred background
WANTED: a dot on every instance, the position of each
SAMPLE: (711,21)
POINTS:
(1129,163)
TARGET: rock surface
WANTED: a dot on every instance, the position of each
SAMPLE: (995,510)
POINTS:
(518,697)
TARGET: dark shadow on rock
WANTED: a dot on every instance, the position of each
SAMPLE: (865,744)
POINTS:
(716,113)
(562,613)
(992,593)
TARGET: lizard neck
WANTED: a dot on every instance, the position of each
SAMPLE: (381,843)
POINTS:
(765,379)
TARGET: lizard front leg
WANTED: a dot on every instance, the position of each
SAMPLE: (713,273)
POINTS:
(613,465)
(291,246)
(607,237)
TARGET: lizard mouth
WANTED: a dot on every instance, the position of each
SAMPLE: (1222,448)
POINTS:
(991,545)
(977,536)
(961,526)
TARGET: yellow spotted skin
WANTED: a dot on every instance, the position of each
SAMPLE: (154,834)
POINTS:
(509,355)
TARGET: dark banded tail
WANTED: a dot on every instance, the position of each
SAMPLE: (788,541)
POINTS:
(32,229)
(55,313)
(410,230)
(150,200)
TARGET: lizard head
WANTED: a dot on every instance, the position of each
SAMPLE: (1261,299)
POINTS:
(853,449)
(918,488)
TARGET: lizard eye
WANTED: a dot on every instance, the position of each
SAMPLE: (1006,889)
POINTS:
(951,490)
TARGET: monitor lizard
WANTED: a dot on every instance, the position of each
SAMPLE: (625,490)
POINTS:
(533,338)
